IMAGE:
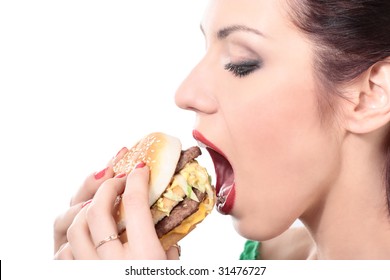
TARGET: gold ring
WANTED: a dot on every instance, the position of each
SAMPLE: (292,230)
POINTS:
(108,239)
(178,248)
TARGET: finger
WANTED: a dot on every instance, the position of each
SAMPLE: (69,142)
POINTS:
(62,223)
(141,234)
(94,180)
(80,240)
(64,253)
(101,221)
(174,252)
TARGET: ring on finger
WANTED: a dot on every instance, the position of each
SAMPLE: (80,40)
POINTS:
(108,239)
(177,246)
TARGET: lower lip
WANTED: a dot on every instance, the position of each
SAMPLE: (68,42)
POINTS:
(225,199)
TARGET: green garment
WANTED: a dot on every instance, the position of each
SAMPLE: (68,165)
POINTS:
(251,250)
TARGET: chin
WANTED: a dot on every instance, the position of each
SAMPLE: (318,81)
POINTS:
(253,230)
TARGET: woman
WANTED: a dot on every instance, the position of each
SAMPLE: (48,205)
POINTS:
(296,96)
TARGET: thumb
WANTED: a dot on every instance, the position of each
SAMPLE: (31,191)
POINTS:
(174,252)
(141,234)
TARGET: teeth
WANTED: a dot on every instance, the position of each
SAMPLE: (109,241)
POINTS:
(221,200)
(201,144)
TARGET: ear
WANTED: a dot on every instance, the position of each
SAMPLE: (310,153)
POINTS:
(369,106)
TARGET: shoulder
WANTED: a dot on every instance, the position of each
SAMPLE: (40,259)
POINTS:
(294,244)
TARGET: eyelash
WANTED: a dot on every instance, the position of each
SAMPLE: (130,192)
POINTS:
(244,68)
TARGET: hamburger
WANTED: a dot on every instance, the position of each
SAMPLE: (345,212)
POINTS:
(180,190)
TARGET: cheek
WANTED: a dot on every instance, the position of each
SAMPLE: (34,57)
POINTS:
(282,160)
(274,118)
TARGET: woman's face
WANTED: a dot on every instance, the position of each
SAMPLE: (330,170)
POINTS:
(256,102)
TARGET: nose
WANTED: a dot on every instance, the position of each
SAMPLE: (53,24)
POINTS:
(197,91)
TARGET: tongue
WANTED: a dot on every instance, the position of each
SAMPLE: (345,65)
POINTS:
(225,182)
(223,170)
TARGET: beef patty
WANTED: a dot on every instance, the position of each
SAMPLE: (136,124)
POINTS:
(186,207)
(181,211)
(187,156)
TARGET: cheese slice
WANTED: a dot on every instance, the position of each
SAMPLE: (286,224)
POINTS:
(185,227)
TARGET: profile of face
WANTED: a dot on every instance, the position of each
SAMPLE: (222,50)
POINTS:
(255,95)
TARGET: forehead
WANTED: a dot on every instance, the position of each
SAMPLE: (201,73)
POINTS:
(268,16)
(282,42)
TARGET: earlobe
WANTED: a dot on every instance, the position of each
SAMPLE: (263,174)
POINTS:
(370,106)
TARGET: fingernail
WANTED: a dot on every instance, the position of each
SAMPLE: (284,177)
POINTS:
(140,165)
(86,203)
(100,174)
(120,175)
(115,158)
(117,154)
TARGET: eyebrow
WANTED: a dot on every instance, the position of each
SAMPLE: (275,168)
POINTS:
(226,31)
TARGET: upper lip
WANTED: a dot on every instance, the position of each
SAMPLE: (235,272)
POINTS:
(200,138)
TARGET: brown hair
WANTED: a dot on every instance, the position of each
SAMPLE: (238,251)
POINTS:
(349,37)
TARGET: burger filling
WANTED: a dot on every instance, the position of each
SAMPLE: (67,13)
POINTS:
(188,188)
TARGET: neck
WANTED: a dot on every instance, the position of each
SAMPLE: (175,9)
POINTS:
(352,220)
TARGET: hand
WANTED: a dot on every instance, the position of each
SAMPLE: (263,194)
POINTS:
(83,196)
(94,223)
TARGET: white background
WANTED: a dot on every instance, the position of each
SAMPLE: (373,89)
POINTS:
(78,81)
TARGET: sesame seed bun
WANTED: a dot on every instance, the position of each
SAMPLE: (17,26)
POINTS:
(161,153)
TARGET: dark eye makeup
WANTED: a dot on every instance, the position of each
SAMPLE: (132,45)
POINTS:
(244,68)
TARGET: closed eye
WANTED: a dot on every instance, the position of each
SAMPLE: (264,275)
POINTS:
(244,68)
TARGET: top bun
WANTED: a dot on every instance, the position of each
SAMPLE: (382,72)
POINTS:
(160,152)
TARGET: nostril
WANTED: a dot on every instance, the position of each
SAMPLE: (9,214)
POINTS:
(193,109)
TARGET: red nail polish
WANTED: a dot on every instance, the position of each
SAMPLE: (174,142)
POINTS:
(115,159)
(120,175)
(120,151)
(140,165)
(86,203)
(117,154)
(100,174)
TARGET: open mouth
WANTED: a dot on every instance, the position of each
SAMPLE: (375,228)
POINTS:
(225,185)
